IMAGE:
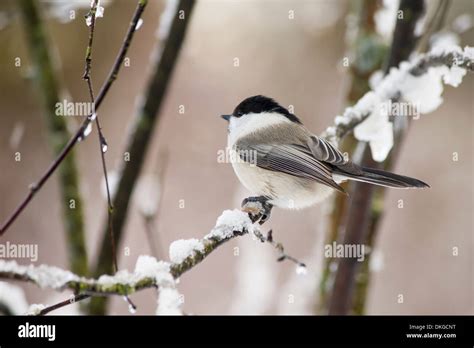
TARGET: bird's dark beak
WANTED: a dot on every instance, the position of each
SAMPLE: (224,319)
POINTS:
(226,117)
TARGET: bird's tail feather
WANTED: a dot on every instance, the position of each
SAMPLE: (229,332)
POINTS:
(382,178)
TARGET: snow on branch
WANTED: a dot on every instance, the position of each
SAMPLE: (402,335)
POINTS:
(419,82)
(148,272)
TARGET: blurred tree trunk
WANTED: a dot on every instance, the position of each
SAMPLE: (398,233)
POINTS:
(368,52)
(364,211)
(46,81)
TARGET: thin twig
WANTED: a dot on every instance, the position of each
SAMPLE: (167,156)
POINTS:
(64,303)
(279,247)
(167,52)
(35,187)
(102,141)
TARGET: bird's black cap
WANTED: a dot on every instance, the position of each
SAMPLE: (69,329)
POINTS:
(259,104)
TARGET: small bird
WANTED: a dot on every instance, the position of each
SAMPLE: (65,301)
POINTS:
(285,165)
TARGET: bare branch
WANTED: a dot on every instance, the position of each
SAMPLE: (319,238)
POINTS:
(64,303)
(35,187)
(279,247)
(167,52)
(102,141)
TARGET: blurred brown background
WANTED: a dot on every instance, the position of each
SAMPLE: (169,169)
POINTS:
(297,62)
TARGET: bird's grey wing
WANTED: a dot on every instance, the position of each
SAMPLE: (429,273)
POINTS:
(323,150)
(327,153)
(293,159)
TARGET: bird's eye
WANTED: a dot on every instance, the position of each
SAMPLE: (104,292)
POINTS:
(239,114)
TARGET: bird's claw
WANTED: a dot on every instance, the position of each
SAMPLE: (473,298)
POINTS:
(258,209)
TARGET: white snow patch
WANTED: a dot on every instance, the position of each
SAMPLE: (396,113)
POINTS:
(469,52)
(121,277)
(35,309)
(148,266)
(169,302)
(341,120)
(453,76)
(13,297)
(424,91)
(43,275)
(375,79)
(99,12)
(183,248)
(378,131)
(230,221)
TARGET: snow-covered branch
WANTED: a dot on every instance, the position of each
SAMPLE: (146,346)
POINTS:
(149,272)
(418,82)
(453,58)
(185,254)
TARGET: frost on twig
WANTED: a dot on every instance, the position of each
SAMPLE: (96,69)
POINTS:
(419,82)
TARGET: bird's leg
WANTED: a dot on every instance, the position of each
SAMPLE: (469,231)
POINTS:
(258,208)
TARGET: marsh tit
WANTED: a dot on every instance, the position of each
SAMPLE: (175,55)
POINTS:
(285,165)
